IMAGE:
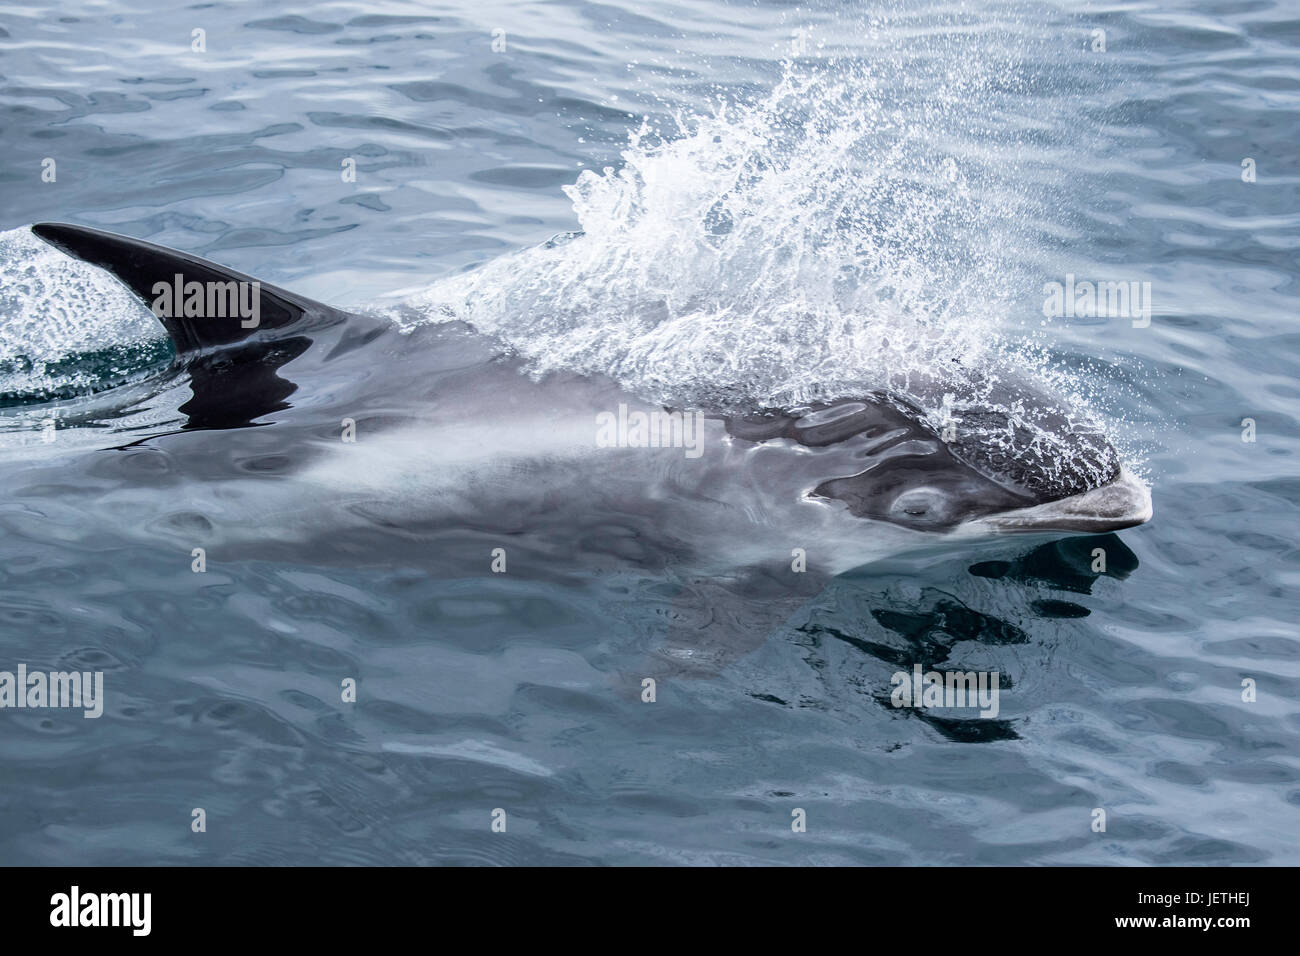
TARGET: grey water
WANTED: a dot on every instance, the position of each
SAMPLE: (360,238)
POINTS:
(771,196)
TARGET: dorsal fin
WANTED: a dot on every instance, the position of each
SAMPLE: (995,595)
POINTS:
(151,271)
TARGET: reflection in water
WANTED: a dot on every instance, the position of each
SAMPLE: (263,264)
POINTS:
(889,619)
(1070,564)
(235,386)
(230,388)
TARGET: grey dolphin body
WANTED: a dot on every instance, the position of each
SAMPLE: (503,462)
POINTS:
(456,448)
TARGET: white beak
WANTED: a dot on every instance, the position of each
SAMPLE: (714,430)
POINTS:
(1123,503)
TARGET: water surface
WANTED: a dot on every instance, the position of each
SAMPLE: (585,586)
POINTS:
(773,197)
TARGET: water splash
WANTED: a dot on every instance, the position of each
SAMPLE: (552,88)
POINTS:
(813,242)
(66,327)
(838,234)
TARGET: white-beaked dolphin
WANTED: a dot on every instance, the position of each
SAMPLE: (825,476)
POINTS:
(455,444)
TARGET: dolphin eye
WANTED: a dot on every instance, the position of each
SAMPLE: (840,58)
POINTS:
(920,503)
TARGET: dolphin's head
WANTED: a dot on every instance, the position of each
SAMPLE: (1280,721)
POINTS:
(1013,461)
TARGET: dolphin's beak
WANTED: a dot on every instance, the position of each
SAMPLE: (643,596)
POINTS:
(1123,503)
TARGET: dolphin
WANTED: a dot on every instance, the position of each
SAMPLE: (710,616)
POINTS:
(343,434)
